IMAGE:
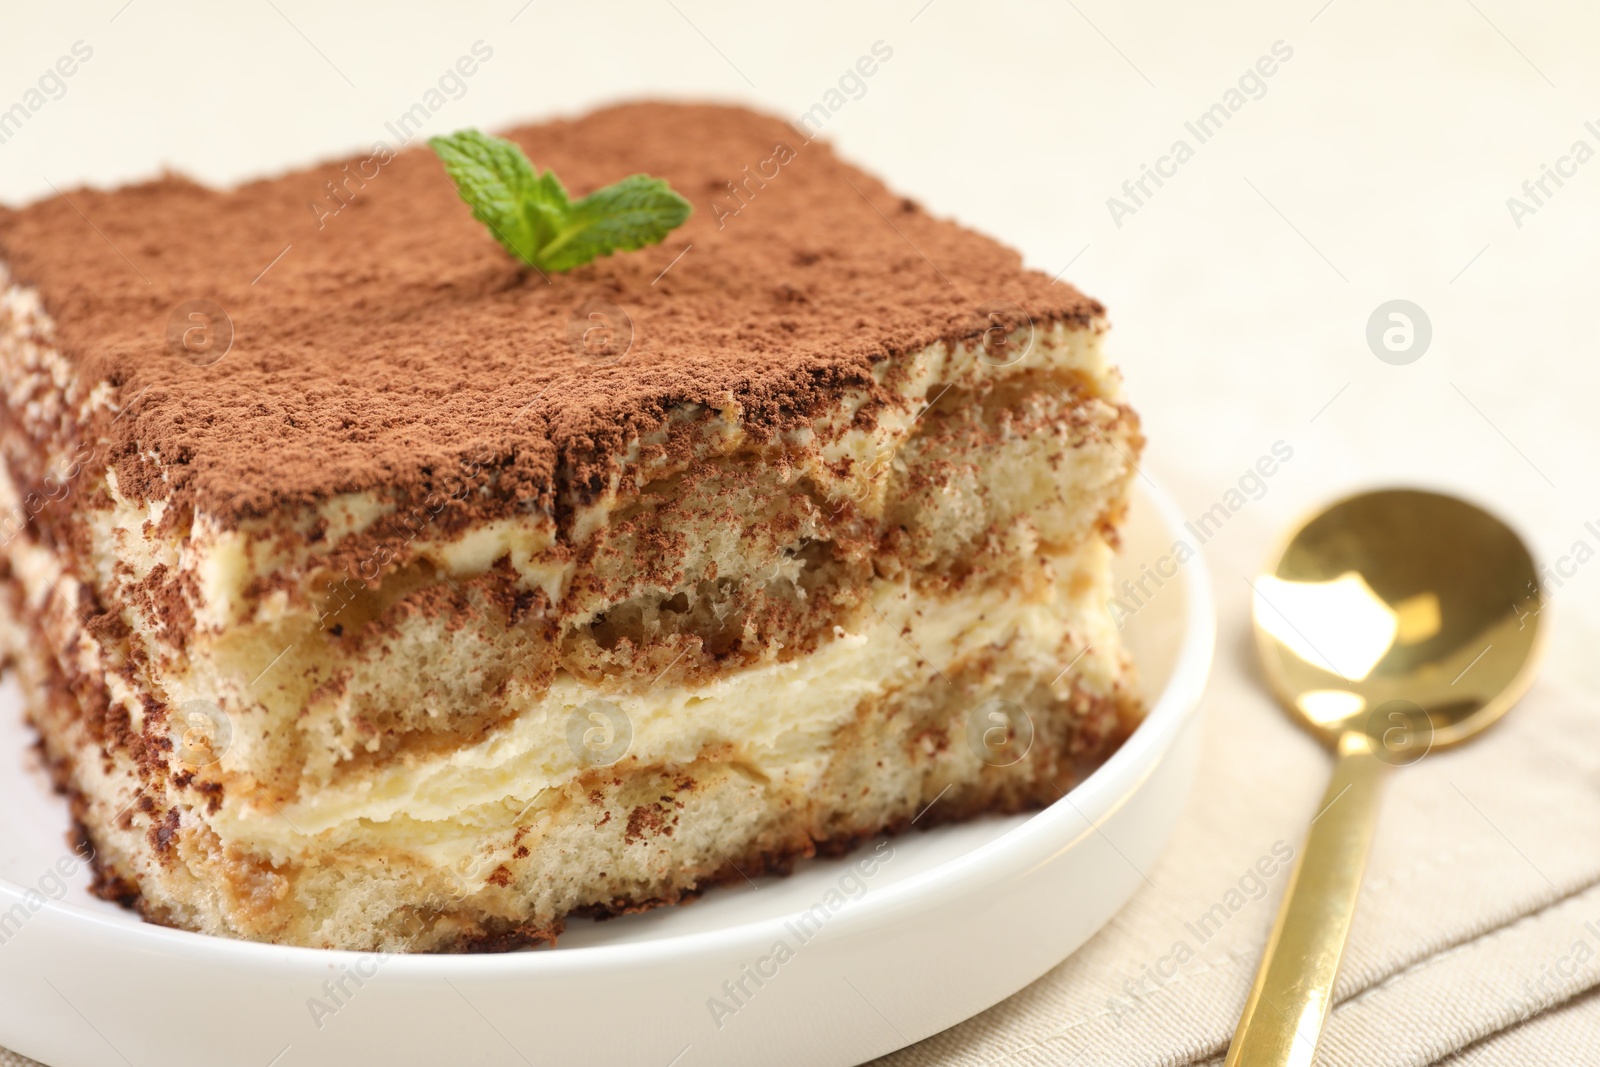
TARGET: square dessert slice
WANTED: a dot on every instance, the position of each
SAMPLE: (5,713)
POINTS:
(372,591)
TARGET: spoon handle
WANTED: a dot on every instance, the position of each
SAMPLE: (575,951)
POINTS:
(1294,987)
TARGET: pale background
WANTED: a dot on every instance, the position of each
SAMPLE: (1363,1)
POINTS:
(1376,166)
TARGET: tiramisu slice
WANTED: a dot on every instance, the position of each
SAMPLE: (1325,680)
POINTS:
(373,590)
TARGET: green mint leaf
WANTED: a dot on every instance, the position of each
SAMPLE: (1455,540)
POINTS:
(522,208)
(531,215)
(635,212)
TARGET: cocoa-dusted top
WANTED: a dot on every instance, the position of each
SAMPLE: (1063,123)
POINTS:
(380,335)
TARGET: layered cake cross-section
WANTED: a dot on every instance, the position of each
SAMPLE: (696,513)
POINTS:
(370,590)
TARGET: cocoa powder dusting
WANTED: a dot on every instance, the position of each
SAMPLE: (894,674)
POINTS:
(394,338)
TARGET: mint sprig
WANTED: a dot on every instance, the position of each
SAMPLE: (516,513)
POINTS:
(532,217)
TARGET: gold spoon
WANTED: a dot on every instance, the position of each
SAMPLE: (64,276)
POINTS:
(1392,623)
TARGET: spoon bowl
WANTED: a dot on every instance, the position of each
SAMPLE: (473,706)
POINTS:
(1400,604)
(1390,623)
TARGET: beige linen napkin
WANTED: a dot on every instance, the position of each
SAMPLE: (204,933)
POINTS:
(1475,942)
(1481,907)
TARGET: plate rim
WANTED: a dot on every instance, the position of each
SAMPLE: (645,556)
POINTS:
(1090,802)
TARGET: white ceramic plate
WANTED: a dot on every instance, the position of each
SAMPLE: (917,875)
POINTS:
(937,927)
